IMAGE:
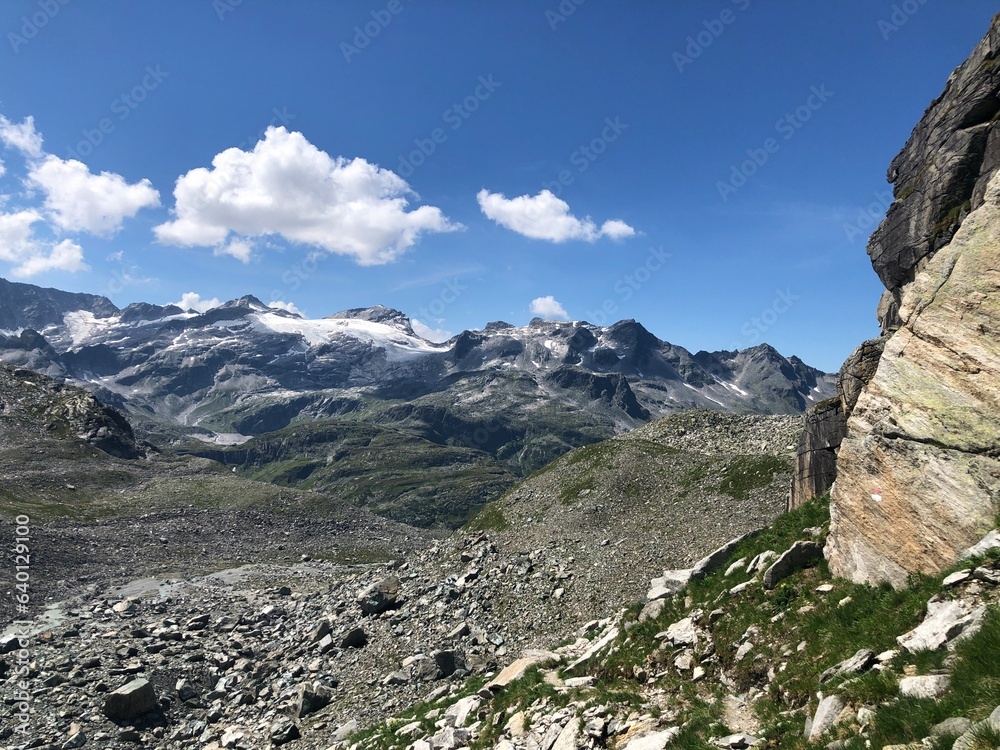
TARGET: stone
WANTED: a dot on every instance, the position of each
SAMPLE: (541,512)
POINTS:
(458,713)
(862,661)
(651,610)
(312,698)
(77,738)
(716,559)
(131,700)
(516,670)
(760,562)
(742,651)
(670,583)
(798,556)
(448,661)
(594,650)
(380,597)
(319,632)
(956,578)
(283,731)
(953,727)
(653,741)
(944,622)
(450,738)
(354,638)
(989,542)
(827,711)
(682,633)
(733,567)
(924,686)
(737,741)
(567,737)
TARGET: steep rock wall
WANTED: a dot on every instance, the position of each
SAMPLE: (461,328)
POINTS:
(917,474)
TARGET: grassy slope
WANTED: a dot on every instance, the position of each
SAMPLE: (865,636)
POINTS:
(830,626)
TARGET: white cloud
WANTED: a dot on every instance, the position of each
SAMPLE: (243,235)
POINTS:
(73,200)
(22,136)
(288,187)
(17,239)
(546,217)
(424,331)
(237,248)
(193,301)
(548,308)
(29,255)
(287,307)
(64,256)
(3,169)
(117,256)
(79,201)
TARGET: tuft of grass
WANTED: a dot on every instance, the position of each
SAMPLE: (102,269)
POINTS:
(489,518)
(744,474)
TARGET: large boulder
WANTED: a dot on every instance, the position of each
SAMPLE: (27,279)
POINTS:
(131,700)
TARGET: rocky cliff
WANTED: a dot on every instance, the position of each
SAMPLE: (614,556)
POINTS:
(918,474)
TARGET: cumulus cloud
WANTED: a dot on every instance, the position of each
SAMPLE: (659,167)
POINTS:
(237,248)
(549,308)
(73,200)
(21,136)
(193,301)
(289,188)
(287,307)
(546,217)
(29,255)
(79,201)
(63,256)
(424,331)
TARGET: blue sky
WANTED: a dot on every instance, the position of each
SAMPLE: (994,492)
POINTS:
(711,169)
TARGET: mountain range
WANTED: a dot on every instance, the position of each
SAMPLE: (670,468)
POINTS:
(320,403)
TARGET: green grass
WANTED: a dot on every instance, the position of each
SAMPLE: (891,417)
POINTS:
(489,518)
(744,474)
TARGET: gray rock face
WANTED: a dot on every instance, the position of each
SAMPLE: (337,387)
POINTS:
(916,472)
(816,456)
(858,371)
(942,171)
(131,700)
(796,557)
(312,698)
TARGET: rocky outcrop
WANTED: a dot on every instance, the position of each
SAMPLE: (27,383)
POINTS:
(942,172)
(826,425)
(919,472)
(816,456)
(918,475)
